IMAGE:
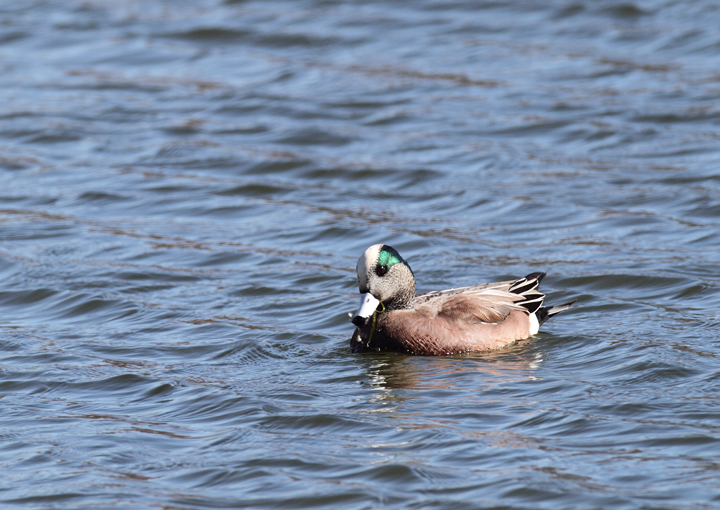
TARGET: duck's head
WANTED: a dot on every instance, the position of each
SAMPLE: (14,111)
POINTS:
(384,277)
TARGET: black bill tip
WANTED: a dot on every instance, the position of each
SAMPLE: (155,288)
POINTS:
(359,321)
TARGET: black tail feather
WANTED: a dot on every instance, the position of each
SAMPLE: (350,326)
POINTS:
(533,299)
(544,313)
(530,282)
(527,288)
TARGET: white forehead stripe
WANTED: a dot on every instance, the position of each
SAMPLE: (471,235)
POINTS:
(367,260)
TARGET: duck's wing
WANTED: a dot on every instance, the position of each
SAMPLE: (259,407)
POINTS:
(434,296)
(487,307)
(489,303)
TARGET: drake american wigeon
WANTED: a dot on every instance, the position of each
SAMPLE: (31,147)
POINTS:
(479,318)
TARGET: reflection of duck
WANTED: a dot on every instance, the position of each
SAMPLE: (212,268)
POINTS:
(390,371)
(392,318)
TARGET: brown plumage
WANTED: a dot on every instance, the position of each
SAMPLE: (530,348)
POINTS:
(476,318)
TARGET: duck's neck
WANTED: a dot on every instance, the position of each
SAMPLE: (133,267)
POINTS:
(401,301)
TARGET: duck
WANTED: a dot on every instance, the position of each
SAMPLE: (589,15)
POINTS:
(391,317)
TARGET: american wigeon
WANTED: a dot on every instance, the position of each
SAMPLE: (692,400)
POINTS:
(479,318)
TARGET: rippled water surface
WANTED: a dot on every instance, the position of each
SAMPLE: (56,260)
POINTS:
(185,190)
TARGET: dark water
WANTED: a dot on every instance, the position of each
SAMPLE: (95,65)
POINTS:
(187,185)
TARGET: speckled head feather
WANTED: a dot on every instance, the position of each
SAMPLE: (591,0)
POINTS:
(383,273)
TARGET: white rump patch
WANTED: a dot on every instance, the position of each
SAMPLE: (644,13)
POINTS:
(534,324)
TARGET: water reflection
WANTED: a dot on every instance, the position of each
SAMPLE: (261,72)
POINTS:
(392,371)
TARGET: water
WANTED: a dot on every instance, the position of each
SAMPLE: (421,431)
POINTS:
(186,187)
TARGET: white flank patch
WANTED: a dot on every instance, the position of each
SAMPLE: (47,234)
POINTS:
(534,324)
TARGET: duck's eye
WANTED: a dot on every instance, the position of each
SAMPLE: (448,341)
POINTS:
(380,270)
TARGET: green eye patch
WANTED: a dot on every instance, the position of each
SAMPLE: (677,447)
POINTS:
(389,257)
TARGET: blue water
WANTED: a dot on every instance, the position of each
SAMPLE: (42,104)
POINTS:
(185,188)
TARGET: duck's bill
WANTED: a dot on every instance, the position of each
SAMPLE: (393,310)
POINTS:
(368,305)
